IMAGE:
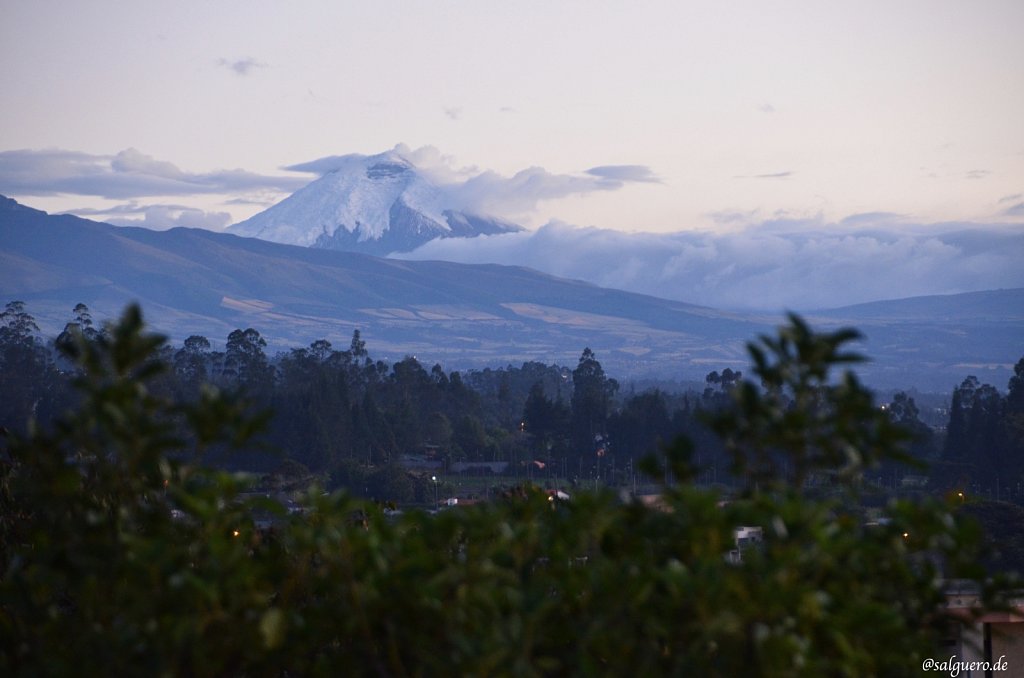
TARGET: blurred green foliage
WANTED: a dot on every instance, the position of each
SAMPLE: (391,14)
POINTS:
(121,555)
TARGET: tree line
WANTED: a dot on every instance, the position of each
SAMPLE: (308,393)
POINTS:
(984,442)
(347,417)
(341,412)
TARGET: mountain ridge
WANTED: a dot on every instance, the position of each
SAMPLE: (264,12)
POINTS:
(191,281)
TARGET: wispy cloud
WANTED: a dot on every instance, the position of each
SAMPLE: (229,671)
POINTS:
(127,174)
(811,264)
(766,108)
(733,217)
(1011,198)
(453,113)
(243,66)
(259,202)
(158,217)
(977,173)
(490,192)
(864,220)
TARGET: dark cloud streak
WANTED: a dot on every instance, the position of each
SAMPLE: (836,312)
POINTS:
(772,175)
(625,173)
(242,67)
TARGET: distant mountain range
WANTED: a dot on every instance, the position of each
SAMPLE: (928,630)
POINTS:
(376,204)
(193,281)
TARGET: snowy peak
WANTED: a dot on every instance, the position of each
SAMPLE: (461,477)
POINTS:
(374,204)
(388,169)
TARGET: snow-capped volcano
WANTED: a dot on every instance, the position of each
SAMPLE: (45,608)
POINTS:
(375,204)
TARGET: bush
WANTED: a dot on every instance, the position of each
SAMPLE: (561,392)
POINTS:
(122,555)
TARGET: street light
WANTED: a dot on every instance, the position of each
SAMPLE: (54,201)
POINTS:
(434,478)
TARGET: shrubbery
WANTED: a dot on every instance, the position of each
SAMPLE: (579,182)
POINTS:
(122,555)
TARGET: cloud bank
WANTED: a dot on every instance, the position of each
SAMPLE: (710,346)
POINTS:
(125,175)
(774,265)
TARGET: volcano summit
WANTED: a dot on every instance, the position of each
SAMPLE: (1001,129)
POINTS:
(375,204)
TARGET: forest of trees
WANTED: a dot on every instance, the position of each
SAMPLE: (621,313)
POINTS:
(345,417)
(342,414)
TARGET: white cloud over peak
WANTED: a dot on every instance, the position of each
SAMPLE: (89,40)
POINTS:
(471,189)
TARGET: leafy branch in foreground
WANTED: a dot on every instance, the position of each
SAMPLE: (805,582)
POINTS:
(121,555)
(801,420)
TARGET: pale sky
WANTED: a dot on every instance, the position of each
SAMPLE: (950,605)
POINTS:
(744,111)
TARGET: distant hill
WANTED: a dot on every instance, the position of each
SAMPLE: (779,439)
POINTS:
(198,282)
(1005,305)
(979,333)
